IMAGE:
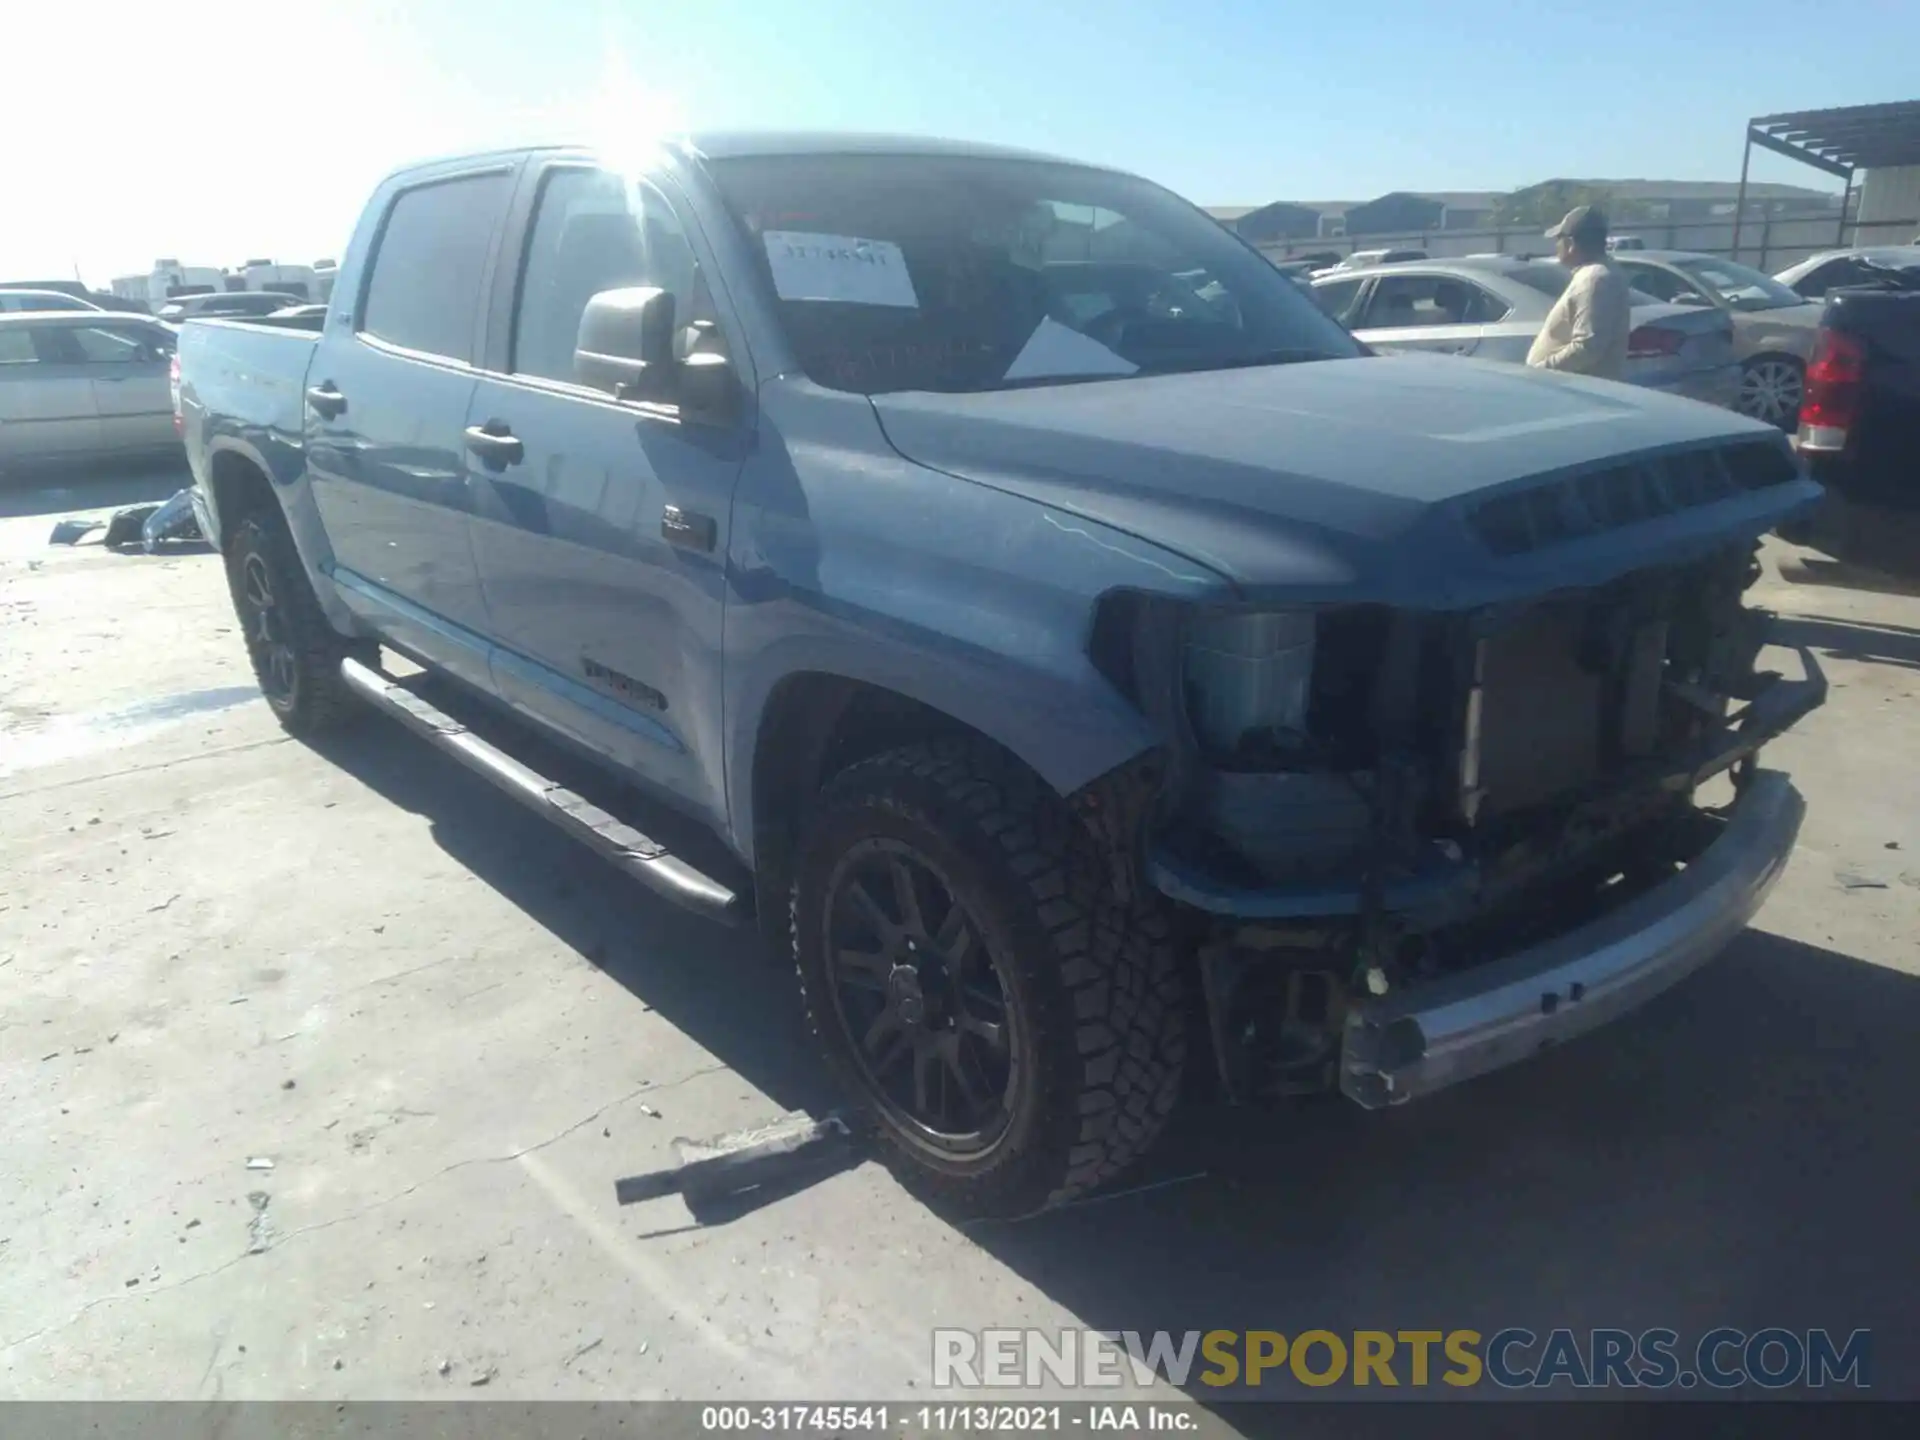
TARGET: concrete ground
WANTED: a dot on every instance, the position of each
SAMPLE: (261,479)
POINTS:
(318,1066)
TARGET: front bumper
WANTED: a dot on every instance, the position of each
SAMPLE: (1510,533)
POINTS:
(1403,1045)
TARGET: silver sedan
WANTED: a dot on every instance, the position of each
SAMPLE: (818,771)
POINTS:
(1494,307)
(82,383)
(1773,328)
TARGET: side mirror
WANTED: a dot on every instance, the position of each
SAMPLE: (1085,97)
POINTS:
(625,343)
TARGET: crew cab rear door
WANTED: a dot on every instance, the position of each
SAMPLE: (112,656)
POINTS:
(386,397)
(601,523)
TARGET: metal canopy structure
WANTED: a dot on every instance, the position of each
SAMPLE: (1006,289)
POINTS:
(1839,142)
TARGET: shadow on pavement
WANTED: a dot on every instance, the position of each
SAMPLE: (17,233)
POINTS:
(1739,1153)
(1839,639)
(96,486)
(715,984)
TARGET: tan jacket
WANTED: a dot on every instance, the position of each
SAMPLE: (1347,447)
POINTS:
(1586,331)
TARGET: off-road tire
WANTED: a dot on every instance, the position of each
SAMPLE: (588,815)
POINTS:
(1097,980)
(319,699)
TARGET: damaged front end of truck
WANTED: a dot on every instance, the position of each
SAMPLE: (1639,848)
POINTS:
(1415,844)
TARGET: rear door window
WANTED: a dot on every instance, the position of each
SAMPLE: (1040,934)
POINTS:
(430,262)
(16,346)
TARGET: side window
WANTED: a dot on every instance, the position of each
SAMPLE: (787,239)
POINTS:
(1407,301)
(1652,280)
(1484,307)
(594,232)
(428,265)
(100,345)
(1336,297)
(16,346)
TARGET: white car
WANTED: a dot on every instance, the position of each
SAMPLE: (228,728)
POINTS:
(1835,269)
(1493,309)
(13,302)
(75,384)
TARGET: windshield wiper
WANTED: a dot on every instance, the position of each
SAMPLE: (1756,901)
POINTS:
(1241,362)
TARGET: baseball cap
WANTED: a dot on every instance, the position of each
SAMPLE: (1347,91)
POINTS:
(1582,221)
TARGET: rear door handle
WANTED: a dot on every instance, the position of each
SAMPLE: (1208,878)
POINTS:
(326,401)
(495,444)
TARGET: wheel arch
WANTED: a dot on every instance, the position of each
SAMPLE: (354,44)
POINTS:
(815,723)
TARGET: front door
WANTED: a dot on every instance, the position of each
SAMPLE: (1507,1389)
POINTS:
(126,363)
(605,607)
(386,395)
(46,400)
(1432,314)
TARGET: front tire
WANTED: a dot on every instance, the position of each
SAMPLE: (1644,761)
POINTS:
(295,653)
(1012,1030)
(1771,389)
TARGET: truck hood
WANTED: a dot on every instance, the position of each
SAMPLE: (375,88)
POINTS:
(1344,476)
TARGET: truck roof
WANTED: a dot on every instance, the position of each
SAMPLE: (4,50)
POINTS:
(737,144)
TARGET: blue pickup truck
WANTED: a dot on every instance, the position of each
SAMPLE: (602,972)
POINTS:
(1098,669)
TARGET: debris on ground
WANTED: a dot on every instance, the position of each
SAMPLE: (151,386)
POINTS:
(123,530)
(259,1162)
(444,1367)
(71,532)
(259,1229)
(485,1376)
(1860,882)
(171,523)
(784,1153)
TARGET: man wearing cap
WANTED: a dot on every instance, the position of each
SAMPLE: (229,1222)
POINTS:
(1586,331)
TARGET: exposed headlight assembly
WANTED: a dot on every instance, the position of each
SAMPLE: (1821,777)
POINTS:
(1248,676)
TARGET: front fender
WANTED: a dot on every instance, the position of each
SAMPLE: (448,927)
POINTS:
(848,560)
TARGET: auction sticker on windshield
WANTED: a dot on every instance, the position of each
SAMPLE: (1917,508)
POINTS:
(839,267)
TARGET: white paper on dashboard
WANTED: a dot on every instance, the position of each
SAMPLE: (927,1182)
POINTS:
(1056,349)
(839,267)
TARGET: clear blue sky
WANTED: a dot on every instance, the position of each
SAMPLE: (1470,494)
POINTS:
(1227,101)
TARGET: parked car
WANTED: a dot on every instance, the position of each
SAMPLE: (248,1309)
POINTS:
(1617,243)
(1051,648)
(1860,426)
(77,384)
(1814,277)
(225,302)
(1362,259)
(1494,308)
(1773,328)
(46,302)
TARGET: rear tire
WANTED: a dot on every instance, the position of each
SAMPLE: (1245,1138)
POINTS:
(1006,964)
(1771,389)
(295,653)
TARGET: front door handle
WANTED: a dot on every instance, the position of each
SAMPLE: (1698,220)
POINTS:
(327,402)
(495,444)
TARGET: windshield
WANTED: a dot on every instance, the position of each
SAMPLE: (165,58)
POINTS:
(1738,286)
(919,272)
(1551,280)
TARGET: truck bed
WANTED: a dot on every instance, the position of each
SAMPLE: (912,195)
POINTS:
(244,378)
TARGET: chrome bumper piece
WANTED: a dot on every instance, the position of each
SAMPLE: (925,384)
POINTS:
(1426,1037)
